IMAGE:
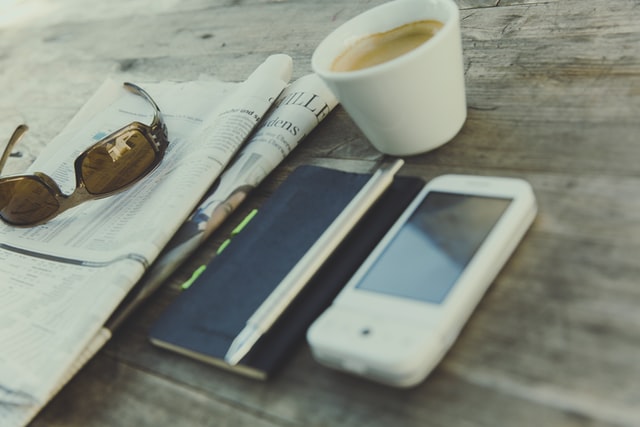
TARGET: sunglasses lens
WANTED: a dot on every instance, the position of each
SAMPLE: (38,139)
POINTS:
(25,200)
(118,162)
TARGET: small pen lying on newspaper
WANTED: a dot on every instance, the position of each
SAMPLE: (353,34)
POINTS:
(277,302)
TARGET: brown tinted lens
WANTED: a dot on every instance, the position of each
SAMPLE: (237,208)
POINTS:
(26,200)
(117,162)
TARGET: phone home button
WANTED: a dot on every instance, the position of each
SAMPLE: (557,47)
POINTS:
(365,331)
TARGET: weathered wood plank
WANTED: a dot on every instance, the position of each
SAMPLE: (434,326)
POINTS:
(115,394)
(473,4)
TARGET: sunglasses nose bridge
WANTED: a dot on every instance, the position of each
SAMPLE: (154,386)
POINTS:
(77,196)
(65,201)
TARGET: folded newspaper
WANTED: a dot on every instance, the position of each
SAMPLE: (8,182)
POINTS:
(61,281)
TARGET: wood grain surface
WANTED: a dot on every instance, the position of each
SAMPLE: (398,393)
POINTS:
(553,90)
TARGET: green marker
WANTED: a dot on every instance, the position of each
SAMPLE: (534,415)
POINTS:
(224,244)
(193,277)
(244,222)
(237,230)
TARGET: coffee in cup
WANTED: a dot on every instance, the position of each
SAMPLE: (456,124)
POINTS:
(385,46)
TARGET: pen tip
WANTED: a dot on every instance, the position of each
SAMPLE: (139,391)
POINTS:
(391,166)
(241,345)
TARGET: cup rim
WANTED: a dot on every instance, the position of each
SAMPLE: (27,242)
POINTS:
(448,26)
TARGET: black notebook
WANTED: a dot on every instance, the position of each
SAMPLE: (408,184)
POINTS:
(204,320)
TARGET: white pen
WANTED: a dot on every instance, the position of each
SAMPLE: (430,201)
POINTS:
(276,303)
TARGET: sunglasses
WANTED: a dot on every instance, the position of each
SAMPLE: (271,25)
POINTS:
(107,167)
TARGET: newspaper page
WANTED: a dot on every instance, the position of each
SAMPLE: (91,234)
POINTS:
(60,281)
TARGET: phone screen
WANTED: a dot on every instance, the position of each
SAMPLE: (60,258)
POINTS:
(425,258)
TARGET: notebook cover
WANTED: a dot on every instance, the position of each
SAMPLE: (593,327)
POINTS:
(203,321)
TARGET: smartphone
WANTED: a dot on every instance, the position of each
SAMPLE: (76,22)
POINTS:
(407,303)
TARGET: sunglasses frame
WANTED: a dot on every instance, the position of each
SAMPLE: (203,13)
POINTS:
(155,133)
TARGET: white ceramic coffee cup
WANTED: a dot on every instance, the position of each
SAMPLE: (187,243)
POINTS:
(413,103)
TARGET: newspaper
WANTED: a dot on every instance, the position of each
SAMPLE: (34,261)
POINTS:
(60,281)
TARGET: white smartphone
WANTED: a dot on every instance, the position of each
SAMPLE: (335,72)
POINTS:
(405,306)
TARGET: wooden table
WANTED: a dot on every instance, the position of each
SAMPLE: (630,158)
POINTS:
(553,88)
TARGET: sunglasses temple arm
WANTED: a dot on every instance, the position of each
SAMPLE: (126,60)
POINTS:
(15,137)
(158,120)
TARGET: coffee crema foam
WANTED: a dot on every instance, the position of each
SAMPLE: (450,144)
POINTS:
(381,47)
